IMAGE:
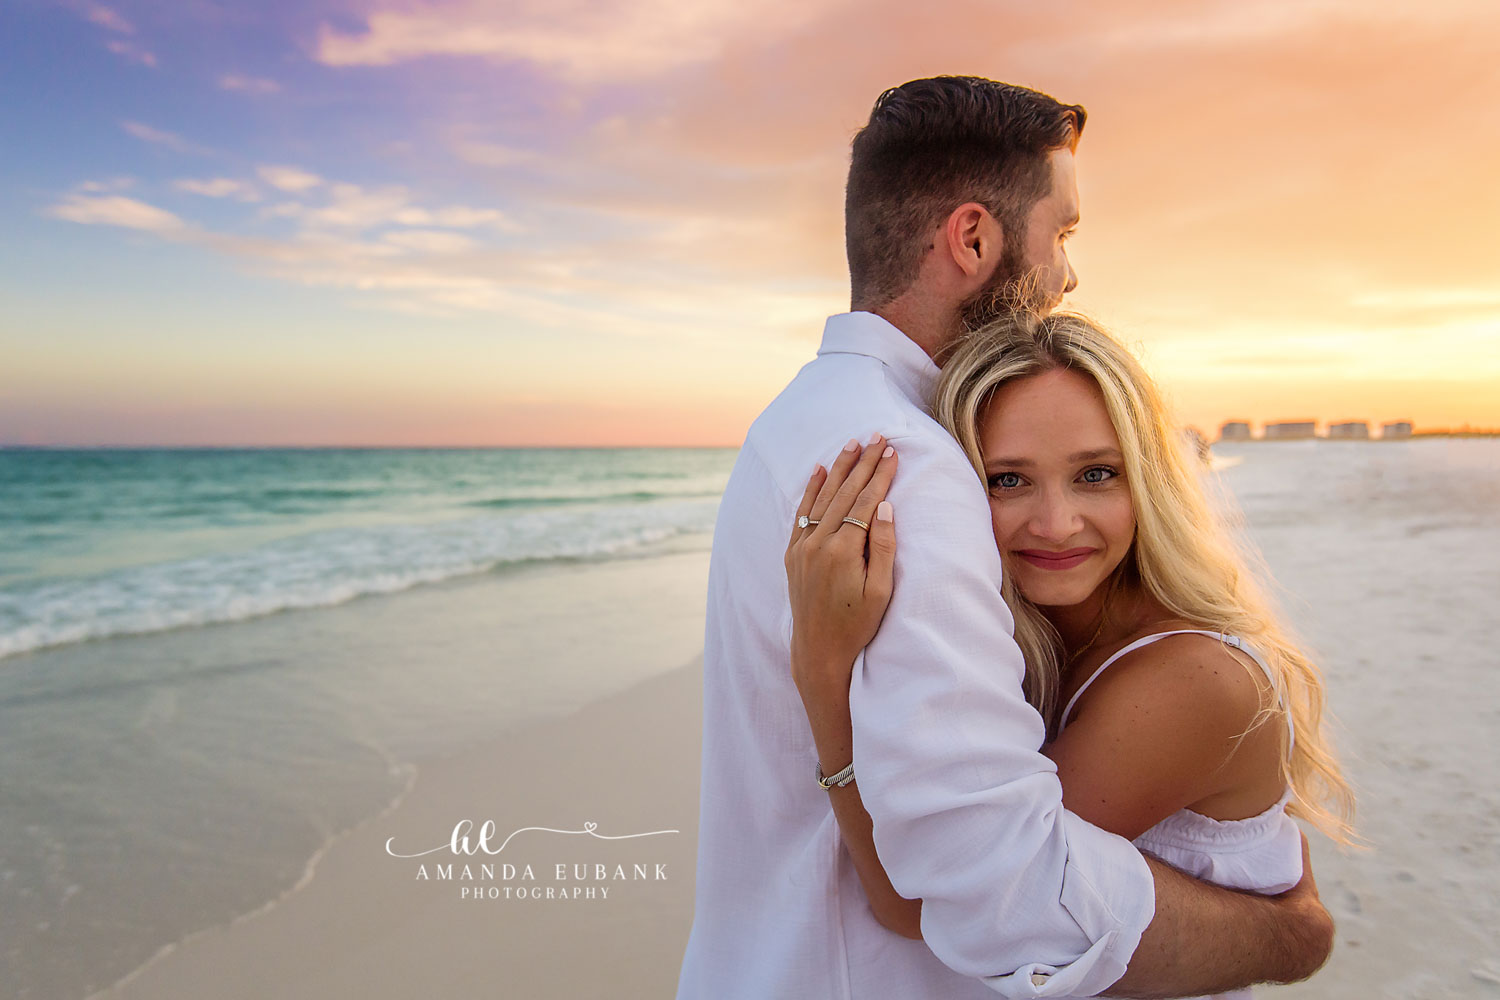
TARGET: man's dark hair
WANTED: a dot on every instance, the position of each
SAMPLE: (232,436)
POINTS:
(932,145)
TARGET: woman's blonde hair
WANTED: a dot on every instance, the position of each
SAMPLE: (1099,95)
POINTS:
(1184,556)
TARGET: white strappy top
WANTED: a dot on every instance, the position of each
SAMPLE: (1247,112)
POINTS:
(1260,854)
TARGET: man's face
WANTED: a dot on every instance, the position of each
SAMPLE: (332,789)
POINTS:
(1034,272)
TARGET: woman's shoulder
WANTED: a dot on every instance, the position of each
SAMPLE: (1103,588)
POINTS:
(1188,673)
(1172,722)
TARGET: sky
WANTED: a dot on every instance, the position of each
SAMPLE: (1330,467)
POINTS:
(577,222)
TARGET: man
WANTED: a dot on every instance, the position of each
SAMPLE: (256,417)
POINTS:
(961,197)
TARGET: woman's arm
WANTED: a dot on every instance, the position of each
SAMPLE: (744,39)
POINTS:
(837,603)
(828,714)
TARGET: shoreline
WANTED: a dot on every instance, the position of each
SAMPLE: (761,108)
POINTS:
(308,873)
(216,769)
(320,938)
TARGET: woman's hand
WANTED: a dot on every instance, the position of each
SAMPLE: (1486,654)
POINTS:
(838,596)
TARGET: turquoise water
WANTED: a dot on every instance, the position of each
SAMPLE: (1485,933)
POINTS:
(97,543)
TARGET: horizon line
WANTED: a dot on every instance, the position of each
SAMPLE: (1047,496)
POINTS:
(353,447)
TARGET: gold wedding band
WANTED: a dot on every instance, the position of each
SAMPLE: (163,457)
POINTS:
(855,520)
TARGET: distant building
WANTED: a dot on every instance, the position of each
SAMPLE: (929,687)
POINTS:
(1351,429)
(1399,429)
(1235,430)
(1291,430)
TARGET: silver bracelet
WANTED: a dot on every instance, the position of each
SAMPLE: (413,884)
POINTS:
(841,779)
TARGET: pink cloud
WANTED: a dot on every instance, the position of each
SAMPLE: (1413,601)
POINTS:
(131,52)
(585,41)
(291,179)
(1276,160)
(159,137)
(242,84)
(219,187)
(109,19)
(116,210)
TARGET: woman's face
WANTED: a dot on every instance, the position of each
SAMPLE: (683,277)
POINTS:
(1059,502)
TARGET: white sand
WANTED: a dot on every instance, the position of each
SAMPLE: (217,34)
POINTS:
(1390,555)
(365,926)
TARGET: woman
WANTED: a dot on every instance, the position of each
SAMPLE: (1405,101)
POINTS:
(1181,714)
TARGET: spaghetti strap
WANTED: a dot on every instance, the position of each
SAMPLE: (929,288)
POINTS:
(1231,640)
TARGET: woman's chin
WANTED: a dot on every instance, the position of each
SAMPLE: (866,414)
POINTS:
(1054,593)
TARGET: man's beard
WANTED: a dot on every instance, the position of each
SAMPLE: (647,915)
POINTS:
(1013,288)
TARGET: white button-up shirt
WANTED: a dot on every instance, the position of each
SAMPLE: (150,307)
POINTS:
(1020,896)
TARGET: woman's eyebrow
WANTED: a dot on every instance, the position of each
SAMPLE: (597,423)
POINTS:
(1080,456)
(1084,456)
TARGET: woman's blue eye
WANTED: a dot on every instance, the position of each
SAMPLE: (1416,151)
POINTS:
(1006,480)
(1099,474)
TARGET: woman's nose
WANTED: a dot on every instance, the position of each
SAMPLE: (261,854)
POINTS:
(1055,519)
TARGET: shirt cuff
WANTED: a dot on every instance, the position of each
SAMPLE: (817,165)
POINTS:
(1113,921)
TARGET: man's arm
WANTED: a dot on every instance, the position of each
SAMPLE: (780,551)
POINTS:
(1218,939)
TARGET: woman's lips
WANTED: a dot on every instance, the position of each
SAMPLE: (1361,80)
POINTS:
(1055,560)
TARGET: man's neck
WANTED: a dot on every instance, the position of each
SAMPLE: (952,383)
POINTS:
(922,326)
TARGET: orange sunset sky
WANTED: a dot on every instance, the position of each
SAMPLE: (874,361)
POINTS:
(590,223)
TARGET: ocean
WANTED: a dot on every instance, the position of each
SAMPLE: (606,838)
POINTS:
(122,542)
(213,662)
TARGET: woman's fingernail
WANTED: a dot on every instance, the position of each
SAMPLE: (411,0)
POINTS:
(883,511)
(874,438)
(889,451)
(852,445)
(817,469)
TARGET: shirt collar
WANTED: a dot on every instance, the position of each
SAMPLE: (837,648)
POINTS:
(871,335)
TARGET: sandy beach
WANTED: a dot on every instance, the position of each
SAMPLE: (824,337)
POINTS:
(260,767)
(365,925)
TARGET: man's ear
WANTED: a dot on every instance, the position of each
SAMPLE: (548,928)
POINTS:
(973,237)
